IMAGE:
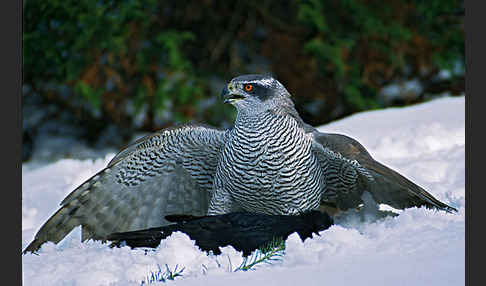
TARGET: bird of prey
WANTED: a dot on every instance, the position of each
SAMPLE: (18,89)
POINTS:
(244,231)
(270,162)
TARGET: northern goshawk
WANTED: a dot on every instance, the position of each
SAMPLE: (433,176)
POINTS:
(270,162)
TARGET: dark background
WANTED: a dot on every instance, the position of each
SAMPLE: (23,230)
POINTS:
(100,71)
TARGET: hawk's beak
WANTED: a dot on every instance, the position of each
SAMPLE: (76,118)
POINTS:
(228,96)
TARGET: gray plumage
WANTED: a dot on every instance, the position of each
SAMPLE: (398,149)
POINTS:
(270,162)
(267,166)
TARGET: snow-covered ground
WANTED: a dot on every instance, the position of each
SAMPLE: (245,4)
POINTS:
(426,143)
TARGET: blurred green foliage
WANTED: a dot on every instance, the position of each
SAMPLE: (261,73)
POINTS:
(143,65)
(387,34)
(111,55)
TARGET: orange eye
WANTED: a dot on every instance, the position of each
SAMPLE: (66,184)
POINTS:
(248,87)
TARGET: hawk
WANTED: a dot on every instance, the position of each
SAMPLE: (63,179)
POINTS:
(270,162)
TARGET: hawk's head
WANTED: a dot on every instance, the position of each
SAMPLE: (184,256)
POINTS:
(255,92)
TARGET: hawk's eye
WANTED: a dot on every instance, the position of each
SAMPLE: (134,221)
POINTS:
(248,87)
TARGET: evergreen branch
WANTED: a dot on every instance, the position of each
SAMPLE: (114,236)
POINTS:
(273,251)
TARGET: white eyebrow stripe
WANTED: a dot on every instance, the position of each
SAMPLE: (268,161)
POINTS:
(265,82)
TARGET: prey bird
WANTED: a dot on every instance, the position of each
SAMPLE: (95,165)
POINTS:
(244,231)
(270,162)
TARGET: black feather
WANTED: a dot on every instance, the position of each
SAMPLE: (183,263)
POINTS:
(244,231)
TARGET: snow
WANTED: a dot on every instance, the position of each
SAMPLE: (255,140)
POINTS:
(425,142)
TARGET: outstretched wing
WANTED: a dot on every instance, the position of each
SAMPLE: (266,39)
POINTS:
(351,170)
(168,172)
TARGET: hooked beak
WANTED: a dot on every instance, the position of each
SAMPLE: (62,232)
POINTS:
(228,96)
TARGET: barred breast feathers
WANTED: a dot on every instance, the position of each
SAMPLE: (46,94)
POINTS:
(268,166)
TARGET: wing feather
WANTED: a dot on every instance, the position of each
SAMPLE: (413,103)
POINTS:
(165,173)
(384,184)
